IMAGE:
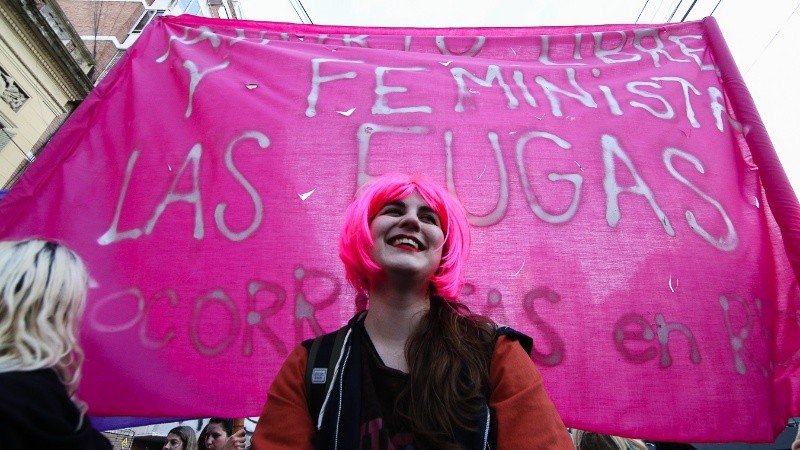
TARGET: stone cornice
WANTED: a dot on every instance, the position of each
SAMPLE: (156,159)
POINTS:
(42,42)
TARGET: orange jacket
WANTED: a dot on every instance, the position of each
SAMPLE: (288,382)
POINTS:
(524,417)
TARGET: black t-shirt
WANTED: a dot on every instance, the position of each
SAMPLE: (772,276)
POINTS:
(381,427)
(37,413)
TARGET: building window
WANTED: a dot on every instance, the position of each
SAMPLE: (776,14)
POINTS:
(5,136)
(148,15)
(189,7)
(10,92)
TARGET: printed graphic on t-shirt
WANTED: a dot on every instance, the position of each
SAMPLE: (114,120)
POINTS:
(375,437)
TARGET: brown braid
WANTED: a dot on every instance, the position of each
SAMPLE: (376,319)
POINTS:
(448,356)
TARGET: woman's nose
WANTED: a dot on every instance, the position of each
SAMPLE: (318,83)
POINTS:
(410,220)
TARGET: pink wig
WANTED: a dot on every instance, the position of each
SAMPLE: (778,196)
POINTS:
(356,245)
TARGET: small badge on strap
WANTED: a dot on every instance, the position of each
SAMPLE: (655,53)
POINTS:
(319,375)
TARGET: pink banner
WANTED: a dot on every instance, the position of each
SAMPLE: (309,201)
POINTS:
(621,216)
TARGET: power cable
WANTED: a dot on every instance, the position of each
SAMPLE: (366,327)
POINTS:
(674,11)
(305,12)
(297,12)
(688,10)
(291,3)
(658,8)
(642,11)
(96,15)
(773,38)
(715,7)
(304,16)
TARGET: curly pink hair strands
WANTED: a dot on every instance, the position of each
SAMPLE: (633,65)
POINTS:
(355,242)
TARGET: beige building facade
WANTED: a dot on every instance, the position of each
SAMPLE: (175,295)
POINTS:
(53,51)
(43,77)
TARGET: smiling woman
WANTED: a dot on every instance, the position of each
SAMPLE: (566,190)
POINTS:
(417,369)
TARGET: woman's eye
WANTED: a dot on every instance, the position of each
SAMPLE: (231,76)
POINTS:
(392,211)
(429,219)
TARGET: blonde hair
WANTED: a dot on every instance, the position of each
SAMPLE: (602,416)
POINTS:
(586,440)
(42,297)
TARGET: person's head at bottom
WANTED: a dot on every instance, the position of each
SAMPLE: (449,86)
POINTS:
(217,432)
(181,438)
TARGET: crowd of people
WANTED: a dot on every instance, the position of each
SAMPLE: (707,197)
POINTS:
(415,369)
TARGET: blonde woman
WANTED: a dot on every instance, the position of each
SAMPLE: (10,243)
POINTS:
(586,440)
(42,297)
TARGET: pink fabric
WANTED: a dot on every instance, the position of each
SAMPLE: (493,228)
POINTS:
(621,216)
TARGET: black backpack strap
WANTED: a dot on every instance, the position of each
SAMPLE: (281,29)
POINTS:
(524,340)
(323,353)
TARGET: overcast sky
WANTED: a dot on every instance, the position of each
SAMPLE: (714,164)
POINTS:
(758,34)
